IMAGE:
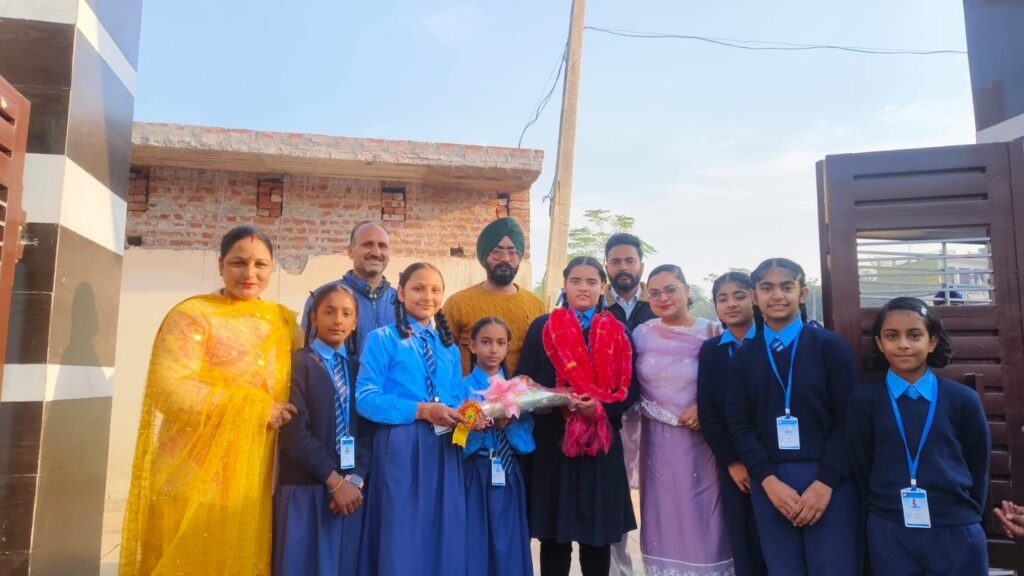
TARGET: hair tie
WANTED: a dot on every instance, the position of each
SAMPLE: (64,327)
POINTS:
(924,310)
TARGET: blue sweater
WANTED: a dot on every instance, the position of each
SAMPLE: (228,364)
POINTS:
(373,313)
(393,375)
(825,374)
(712,385)
(954,462)
(307,446)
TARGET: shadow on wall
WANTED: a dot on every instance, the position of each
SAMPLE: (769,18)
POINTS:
(85,326)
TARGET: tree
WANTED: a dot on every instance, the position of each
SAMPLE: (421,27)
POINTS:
(589,240)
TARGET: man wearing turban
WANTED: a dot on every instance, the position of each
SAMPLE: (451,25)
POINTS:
(499,249)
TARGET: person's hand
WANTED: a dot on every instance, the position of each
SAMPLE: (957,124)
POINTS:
(345,498)
(740,476)
(438,414)
(1011,516)
(689,418)
(281,414)
(814,501)
(784,498)
(587,406)
(501,423)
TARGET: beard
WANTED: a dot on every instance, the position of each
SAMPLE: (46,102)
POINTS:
(624,282)
(502,274)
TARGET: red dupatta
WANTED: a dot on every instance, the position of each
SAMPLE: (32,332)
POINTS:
(604,370)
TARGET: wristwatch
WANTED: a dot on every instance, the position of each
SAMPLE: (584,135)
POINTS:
(355,480)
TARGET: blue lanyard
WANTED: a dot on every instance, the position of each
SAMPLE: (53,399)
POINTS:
(787,386)
(913,462)
(343,399)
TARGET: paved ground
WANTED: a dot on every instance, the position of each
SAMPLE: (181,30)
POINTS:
(115,511)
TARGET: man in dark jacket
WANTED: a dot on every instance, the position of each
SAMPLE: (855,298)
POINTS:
(626,296)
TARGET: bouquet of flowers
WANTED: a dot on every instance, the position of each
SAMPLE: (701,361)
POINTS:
(507,399)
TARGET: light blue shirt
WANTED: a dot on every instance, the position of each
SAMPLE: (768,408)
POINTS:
(627,305)
(326,353)
(393,375)
(787,335)
(926,385)
(587,314)
(728,338)
(519,432)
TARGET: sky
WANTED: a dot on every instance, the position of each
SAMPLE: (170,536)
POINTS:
(711,149)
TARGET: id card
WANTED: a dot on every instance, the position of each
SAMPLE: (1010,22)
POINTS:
(497,472)
(348,453)
(788,428)
(441,430)
(915,508)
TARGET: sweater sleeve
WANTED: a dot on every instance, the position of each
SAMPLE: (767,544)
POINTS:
(740,413)
(860,441)
(297,440)
(977,445)
(371,399)
(364,432)
(533,348)
(712,420)
(841,371)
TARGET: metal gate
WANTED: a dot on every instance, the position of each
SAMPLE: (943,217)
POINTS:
(14,115)
(939,224)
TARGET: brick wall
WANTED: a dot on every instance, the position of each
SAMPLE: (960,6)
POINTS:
(187,209)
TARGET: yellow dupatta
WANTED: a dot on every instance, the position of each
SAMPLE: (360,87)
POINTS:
(200,497)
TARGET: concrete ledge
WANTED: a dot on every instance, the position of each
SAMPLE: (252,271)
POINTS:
(310,154)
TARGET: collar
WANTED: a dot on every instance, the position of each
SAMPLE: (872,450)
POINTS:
(361,286)
(481,376)
(325,351)
(611,296)
(728,338)
(588,313)
(418,329)
(926,385)
(787,334)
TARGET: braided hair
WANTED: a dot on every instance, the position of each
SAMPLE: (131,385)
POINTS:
(317,298)
(783,264)
(480,325)
(402,315)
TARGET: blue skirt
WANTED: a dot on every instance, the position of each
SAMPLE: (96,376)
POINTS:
(309,539)
(499,535)
(415,504)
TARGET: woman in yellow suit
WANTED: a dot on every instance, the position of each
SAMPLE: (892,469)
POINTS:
(217,392)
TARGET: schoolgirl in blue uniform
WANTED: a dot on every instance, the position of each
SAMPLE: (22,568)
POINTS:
(920,447)
(733,295)
(786,411)
(410,382)
(499,535)
(325,453)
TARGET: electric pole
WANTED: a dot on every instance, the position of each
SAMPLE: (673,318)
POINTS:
(561,195)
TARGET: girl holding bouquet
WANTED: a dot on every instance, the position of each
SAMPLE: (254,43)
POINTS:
(498,537)
(578,486)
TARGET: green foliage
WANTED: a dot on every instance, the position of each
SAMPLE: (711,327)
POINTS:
(589,240)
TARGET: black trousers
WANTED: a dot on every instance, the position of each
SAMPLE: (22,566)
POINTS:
(556,559)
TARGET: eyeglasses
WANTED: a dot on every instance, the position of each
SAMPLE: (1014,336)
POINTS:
(669,291)
(510,253)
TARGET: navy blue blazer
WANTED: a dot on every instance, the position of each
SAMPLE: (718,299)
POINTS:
(712,385)
(307,445)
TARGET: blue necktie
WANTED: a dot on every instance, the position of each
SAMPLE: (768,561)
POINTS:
(777,344)
(340,375)
(583,319)
(503,448)
(913,392)
(430,362)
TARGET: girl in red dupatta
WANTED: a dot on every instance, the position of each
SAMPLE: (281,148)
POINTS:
(578,490)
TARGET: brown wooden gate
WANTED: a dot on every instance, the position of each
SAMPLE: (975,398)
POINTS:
(902,222)
(14,114)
